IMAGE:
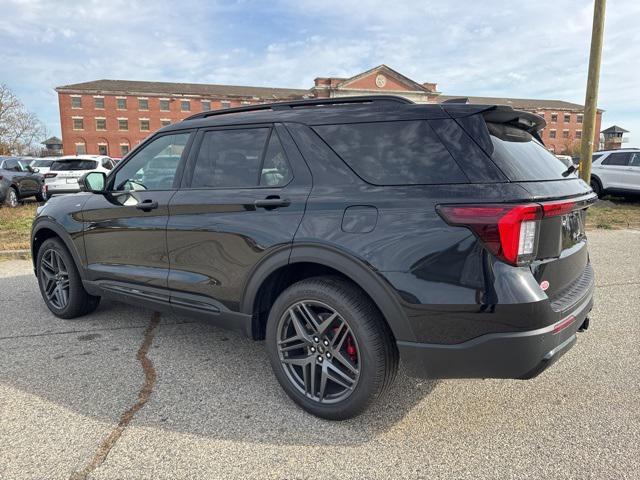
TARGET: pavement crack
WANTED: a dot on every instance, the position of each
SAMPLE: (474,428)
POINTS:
(127,416)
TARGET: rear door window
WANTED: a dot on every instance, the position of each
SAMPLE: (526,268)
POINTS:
(393,153)
(521,157)
(620,159)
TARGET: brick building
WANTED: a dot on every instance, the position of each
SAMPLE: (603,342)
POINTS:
(111,117)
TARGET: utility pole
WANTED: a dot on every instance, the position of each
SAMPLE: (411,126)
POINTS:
(591,99)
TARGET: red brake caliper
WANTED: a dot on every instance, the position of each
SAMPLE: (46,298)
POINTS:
(351,349)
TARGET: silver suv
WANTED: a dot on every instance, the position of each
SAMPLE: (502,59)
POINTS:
(616,171)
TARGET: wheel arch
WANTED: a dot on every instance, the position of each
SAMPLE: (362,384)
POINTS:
(46,229)
(284,268)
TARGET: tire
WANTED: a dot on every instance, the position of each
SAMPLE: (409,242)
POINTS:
(41,197)
(52,256)
(11,199)
(358,342)
(596,187)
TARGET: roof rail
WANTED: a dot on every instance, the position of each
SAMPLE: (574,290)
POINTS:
(313,102)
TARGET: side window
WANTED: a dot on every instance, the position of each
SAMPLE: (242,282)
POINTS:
(635,161)
(276,171)
(230,158)
(12,165)
(393,153)
(106,163)
(154,167)
(617,159)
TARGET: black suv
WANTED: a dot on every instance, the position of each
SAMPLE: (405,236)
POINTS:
(348,233)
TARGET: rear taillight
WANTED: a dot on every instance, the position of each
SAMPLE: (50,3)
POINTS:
(50,175)
(508,231)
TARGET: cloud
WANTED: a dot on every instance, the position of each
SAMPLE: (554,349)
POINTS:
(492,48)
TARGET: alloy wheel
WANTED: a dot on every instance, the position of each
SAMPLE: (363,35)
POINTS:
(13,198)
(55,279)
(318,351)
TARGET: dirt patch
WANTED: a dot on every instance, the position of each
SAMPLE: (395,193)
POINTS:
(15,226)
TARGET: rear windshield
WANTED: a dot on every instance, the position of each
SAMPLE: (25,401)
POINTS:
(393,153)
(521,157)
(42,163)
(74,165)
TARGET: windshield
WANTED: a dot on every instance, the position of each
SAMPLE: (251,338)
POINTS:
(521,157)
(74,165)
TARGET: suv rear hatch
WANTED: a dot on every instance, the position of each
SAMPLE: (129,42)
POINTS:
(551,235)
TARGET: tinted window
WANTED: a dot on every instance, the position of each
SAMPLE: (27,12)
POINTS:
(74,165)
(521,157)
(593,158)
(635,160)
(230,158)
(42,163)
(12,165)
(393,153)
(275,168)
(154,167)
(620,159)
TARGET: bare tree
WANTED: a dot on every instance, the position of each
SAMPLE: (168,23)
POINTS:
(20,129)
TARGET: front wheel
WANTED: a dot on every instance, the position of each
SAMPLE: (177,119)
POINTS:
(596,187)
(12,198)
(330,348)
(60,283)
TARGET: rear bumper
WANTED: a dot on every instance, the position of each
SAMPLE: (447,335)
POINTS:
(519,355)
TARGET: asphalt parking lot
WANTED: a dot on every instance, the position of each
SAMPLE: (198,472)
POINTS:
(124,393)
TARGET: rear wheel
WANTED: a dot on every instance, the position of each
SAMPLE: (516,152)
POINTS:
(12,198)
(596,187)
(41,197)
(60,283)
(330,348)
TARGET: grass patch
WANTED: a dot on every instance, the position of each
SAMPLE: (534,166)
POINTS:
(613,213)
(15,226)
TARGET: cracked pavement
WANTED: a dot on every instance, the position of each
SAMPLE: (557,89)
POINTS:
(216,411)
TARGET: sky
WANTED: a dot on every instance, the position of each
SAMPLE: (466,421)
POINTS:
(523,49)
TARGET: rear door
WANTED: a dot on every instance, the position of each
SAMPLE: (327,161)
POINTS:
(243,198)
(613,170)
(125,228)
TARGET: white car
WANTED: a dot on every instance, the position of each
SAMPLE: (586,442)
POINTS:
(64,172)
(616,171)
(43,164)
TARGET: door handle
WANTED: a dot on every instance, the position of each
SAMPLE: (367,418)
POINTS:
(270,203)
(147,205)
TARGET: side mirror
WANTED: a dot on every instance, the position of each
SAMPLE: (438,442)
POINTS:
(34,170)
(93,182)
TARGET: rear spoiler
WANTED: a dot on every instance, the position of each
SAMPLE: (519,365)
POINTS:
(504,114)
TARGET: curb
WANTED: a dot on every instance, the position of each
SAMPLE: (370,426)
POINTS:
(15,254)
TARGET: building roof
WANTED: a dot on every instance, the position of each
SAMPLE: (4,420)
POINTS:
(130,87)
(525,103)
(385,69)
(614,129)
(52,141)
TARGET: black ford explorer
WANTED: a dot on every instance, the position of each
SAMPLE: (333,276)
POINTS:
(347,233)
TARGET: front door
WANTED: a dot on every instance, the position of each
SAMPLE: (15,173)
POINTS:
(244,197)
(613,169)
(125,228)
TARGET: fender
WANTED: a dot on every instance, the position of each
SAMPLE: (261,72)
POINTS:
(51,224)
(362,274)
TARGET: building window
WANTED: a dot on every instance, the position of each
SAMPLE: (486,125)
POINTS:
(122,103)
(101,123)
(144,125)
(78,124)
(164,105)
(552,134)
(98,102)
(143,104)
(185,105)
(225,104)
(102,149)
(579,118)
(567,118)
(76,102)
(206,105)
(164,122)
(565,133)
(124,149)
(123,124)
(81,149)
(554,117)
(578,134)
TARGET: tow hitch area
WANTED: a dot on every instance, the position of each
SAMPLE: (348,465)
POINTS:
(585,325)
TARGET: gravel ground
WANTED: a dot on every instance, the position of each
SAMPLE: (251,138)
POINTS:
(216,411)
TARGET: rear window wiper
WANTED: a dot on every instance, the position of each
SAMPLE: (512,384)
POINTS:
(572,168)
